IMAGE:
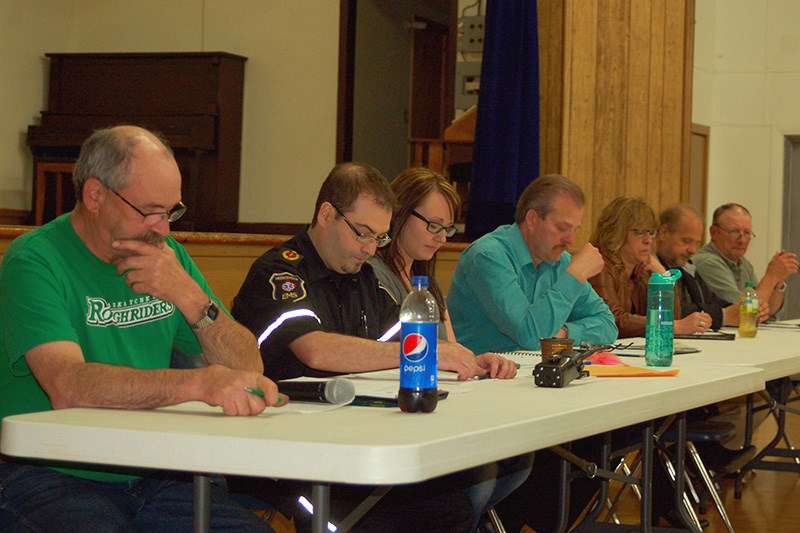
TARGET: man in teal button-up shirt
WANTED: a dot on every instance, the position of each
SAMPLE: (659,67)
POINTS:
(518,284)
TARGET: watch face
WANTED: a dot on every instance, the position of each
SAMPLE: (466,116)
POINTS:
(213,311)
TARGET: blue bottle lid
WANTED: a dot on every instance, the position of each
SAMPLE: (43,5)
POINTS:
(419,281)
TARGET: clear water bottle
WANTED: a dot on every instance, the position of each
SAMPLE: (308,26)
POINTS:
(419,319)
(660,319)
(748,311)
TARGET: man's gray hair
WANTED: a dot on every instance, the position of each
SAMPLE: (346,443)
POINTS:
(106,155)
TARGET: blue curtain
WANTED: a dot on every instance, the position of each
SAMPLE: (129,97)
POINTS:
(506,152)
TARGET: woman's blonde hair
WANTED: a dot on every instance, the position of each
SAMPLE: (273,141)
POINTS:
(617,219)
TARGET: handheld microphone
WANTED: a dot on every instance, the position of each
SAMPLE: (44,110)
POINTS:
(337,391)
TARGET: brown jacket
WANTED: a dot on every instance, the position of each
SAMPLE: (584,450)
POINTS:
(627,298)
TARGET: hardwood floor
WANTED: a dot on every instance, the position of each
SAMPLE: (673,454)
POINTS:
(770,500)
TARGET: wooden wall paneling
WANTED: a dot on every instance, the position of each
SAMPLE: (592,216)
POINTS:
(550,14)
(688,78)
(612,101)
(625,98)
(652,181)
(637,118)
(580,103)
(674,127)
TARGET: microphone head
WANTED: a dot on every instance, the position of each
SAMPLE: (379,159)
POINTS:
(339,391)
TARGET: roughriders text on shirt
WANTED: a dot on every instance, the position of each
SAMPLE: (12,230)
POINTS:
(126,314)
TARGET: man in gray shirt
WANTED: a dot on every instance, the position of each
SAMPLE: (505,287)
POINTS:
(724,268)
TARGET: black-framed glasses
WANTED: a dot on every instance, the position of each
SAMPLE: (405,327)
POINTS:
(640,232)
(746,234)
(435,227)
(380,241)
(155,217)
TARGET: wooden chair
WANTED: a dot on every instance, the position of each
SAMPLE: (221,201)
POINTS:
(61,172)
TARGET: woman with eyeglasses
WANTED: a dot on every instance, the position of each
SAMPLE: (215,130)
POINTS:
(624,236)
(429,206)
(425,220)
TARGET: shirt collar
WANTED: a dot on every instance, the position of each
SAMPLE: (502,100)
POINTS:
(518,245)
(713,249)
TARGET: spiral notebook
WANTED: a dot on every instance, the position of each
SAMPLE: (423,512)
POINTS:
(524,358)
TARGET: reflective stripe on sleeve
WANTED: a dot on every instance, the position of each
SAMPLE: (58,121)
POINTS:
(297,313)
(391,332)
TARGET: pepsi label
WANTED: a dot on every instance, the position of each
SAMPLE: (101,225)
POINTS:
(418,350)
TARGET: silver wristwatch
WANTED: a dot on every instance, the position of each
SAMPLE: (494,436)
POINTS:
(209,316)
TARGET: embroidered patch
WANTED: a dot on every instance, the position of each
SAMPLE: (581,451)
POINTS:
(290,255)
(286,286)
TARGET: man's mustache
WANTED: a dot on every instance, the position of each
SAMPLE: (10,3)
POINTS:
(152,238)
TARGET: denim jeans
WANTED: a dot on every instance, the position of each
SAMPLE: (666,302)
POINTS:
(492,482)
(35,498)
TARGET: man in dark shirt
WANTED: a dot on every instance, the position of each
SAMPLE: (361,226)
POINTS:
(315,304)
(317,309)
(677,240)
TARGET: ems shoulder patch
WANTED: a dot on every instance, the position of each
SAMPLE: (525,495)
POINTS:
(290,255)
(287,286)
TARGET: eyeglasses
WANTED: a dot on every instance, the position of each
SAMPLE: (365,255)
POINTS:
(380,241)
(435,227)
(155,217)
(642,232)
(737,233)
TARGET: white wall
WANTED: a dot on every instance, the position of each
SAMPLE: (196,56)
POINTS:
(292,46)
(746,88)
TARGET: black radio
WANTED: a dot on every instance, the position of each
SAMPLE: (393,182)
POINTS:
(565,367)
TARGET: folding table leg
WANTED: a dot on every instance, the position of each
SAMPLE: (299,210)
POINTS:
(321,496)
(202,503)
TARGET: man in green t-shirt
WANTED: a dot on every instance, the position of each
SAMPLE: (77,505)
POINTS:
(92,306)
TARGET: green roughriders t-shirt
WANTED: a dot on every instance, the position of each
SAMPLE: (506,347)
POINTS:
(52,288)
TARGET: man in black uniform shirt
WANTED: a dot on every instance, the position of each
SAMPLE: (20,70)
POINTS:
(317,309)
(315,304)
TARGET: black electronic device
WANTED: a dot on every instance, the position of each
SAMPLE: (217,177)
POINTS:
(566,367)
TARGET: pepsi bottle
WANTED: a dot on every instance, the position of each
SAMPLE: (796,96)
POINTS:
(419,319)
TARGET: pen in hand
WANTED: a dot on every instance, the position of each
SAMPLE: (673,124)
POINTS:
(260,393)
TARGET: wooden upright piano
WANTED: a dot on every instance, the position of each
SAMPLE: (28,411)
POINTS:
(194,99)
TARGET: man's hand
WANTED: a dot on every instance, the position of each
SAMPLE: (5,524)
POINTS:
(697,322)
(763,311)
(782,265)
(497,366)
(152,269)
(231,390)
(586,262)
(456,358)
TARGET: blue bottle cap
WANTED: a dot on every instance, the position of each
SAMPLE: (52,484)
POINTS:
(419,281)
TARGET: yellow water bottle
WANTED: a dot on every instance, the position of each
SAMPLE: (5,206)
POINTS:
(748,311)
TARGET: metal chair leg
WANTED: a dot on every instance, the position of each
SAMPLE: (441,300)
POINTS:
(495,520)
(686,503)
(709,484)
